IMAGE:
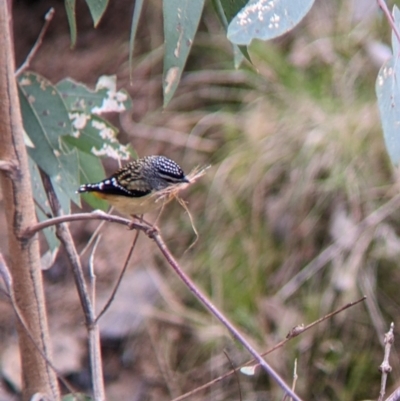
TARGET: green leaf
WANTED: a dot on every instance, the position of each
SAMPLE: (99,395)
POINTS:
(137,11)
(42,151)
(48,106)
(104,99)
(97,8)
(97,137)
(91,170)
(43,210)
(388,93)
(91,133)
(181,20)
(50,235)
(70,9)
(46,120)
(66,185)
(232,7)
(266,20)
(226,10)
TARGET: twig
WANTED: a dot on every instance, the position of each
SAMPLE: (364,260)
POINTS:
(385,367)
(155,236)
(128,258)
(6,276)
(236,374)
(295,377)
(47,19)
(389,17)
(65,237)
(293,333)
(92,238)
(395,396)
(92,273)
(95,215)
(152,233)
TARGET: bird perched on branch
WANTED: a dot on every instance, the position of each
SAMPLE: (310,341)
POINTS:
(141,186)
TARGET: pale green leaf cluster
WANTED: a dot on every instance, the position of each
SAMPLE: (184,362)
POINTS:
(66,137)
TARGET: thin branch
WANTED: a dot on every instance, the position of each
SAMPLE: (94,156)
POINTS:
(121,275)
(92,273)
(95,215)
(153,233)
(385,367)
(295,377)
(395,396)
(92,238)
(236,374)
(65,237)
(293,333)
(7,279)
(389,17)
(47,19)
(155,236)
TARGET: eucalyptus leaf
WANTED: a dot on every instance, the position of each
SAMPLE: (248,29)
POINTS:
(43,210)
(70,8)
(137,11)
(97,136)
(226,10)
(97,8)
(181,20)
(46,121)
(388,93)
(47,104)
(104,99)
(232,7)
(265,20)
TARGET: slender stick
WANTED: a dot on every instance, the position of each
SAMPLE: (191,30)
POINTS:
(65,237)
(95,215)
(155,236)
(47,19)
(293,333)
(6,276)
(121,275)
(152,233)
(389,17)
(395,396)
(385,367)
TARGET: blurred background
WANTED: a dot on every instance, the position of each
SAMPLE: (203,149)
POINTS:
(297,215)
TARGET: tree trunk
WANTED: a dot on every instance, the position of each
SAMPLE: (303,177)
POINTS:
(24,255)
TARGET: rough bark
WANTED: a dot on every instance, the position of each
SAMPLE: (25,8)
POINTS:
(23,254)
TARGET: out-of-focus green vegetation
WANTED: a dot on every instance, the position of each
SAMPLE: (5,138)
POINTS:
(299,163)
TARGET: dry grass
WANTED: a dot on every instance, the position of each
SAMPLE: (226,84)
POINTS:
(301,164)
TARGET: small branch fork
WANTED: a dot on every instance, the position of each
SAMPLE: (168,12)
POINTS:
(153,233)
(64,235)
